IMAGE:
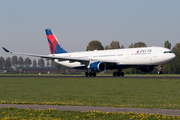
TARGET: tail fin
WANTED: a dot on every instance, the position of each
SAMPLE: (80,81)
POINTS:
(54,45)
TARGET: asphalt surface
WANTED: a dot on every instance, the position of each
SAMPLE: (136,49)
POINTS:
(68,76)
(166,112)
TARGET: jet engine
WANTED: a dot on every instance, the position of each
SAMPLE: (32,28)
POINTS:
(146,69)
(97,66)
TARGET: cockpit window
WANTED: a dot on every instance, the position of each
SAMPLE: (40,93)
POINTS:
(168,51)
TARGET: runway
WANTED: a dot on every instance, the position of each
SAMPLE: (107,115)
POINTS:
(166,112)
(72,76)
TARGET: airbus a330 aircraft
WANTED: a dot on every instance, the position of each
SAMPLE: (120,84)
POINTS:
(144,59)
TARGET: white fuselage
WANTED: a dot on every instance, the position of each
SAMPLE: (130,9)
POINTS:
(131,56)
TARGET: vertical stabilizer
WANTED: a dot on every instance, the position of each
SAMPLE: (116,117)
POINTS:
(54,45)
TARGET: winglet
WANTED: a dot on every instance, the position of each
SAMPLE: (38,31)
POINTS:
(5,49)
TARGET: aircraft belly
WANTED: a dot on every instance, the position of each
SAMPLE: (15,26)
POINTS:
(70,65)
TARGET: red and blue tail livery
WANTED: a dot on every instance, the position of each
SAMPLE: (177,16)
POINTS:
(54,45)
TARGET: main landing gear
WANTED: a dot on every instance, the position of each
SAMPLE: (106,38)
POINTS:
(90,74)
(93,74)
(118,74)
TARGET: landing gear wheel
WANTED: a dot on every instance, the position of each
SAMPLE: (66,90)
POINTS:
(122,74)
(118,74)
(86,74)
(90,74)
(94,74)
(114,74)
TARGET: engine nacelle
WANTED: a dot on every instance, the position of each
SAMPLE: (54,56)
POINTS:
(97,66)
(146,69)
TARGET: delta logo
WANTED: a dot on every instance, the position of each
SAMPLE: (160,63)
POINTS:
(144,51)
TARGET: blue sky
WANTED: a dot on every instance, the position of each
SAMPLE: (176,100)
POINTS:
(77,22)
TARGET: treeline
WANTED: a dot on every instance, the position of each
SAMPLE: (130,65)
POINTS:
(15,62)
(96,45)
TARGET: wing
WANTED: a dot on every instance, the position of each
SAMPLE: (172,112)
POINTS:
(27,54)
(82,60)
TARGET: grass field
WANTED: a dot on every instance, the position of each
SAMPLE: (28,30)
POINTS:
(114,92)
(24,114)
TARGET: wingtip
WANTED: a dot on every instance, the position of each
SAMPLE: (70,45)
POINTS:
(5,49)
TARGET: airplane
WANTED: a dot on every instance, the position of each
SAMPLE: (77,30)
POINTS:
(144,59)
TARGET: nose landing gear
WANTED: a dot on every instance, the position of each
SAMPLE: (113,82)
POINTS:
(160,67)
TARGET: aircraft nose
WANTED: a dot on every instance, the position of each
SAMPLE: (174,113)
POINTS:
(170,57)
(174,56)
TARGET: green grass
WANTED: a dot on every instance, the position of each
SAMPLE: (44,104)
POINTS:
(11,113)
(114,92)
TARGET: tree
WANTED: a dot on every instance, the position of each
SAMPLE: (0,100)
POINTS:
(48,64)
(167,44)
(41,62)
(106,47)
(8,63)
(94,45)
(174,66)
(122,46)
(167,66)
(14,61)
(21,62)
(176,47)
(138,44)
(131,46)
(2,62)
(53,64)
(27,62)
(113,45)
(34,63)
